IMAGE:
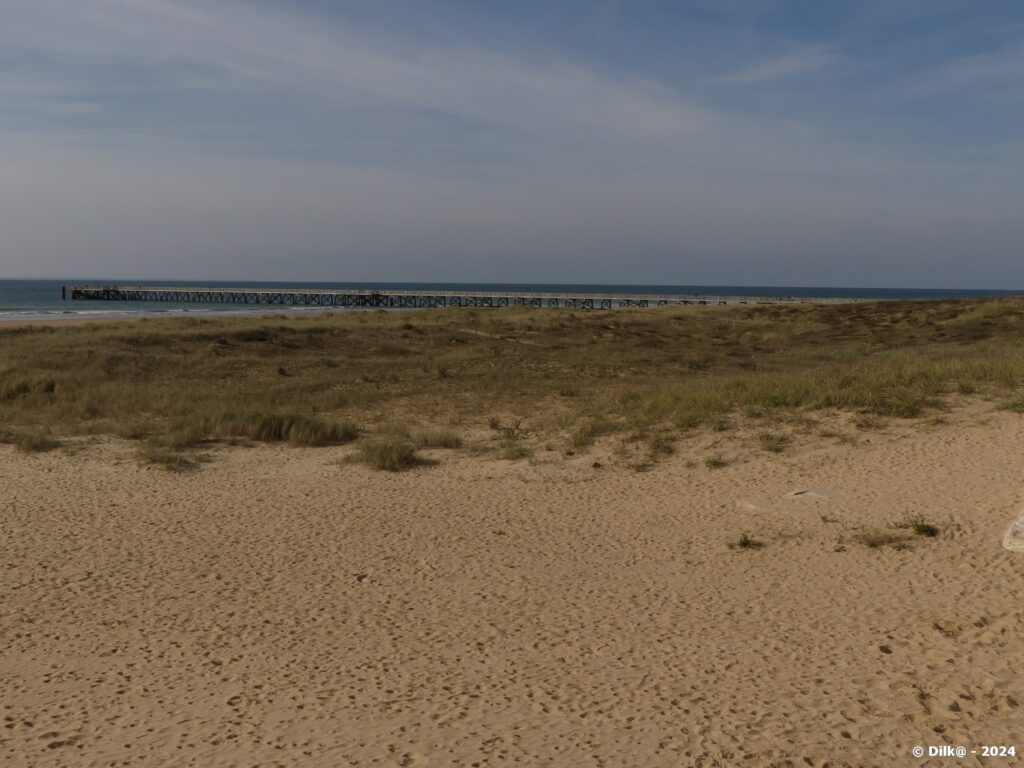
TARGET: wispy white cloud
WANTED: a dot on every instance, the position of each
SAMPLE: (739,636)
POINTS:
(799,61)
(256,47)
(1001,67)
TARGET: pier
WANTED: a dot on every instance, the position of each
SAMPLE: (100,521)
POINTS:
(386,298)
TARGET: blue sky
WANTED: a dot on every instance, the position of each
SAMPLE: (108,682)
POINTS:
(729,141)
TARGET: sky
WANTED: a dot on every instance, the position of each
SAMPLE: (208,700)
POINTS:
(877,143)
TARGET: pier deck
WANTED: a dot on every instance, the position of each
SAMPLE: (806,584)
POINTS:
(388,298)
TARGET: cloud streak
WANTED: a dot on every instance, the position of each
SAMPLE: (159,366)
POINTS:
(1003,67)
(800,61)
(244,46)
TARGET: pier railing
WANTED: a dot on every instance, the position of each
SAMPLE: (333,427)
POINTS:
(394,298)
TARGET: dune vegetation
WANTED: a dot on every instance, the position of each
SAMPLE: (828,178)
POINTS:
(556,374)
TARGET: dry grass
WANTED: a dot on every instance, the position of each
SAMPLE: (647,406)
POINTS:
(746,541)
(716,461)
(289,428)
(773,442)
(1016,405)
(391,454)
(590,430)
(582,374)
(513,449)
(436,438)
(919,526)
(29,442)
(169,459)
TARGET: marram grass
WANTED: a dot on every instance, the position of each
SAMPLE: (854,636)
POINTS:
(184,381)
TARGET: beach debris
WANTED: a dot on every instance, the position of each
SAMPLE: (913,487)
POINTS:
(361,577)
(1013,540)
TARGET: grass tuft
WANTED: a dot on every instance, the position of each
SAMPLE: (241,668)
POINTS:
(512,448)
(30,442)
(920,527)
(1016,405)
(291,428)
(436,439)
(716,461)
(746,541)
(389,454)
(171,460)
(773,442)
(591,430)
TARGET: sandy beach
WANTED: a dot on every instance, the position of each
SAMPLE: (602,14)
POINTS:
(279,608)
(485,385)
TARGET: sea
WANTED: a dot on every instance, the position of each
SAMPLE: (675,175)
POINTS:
(41,299)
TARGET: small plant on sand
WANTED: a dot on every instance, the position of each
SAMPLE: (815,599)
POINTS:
(512,432)
(591,430)
(715,461)
(170,449)
(661,445)
(390,454)
(746,541)
(172,461)
(919,526)
(181,435)
(510,445)
(774,442)
(29,442)
(512,448)
(868,421)
(169,459)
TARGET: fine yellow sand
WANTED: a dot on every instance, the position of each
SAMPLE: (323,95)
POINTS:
(276,608)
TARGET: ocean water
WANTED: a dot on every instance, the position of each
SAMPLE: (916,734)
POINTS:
(41,299)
